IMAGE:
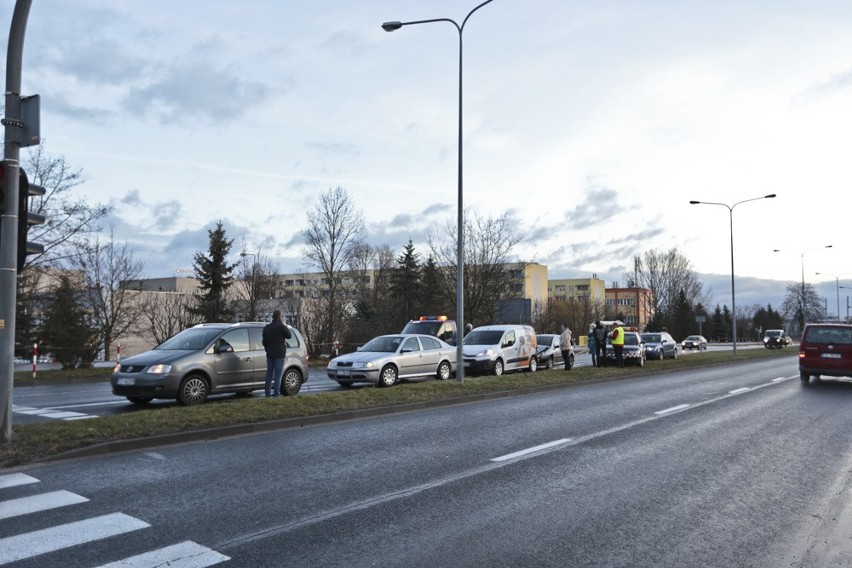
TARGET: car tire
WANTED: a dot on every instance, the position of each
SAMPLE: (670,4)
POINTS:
(806,378)
(662,355)
(140,400)
(533,367)
(674,353)
(444,371)
(291,382)
(548,365)
(569,364)
(641,361)
(388,377)
(498,368)
(193,390)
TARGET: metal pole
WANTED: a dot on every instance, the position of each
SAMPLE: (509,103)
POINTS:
(9,219)
(460,323)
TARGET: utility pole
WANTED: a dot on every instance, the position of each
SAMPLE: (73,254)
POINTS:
(9,216)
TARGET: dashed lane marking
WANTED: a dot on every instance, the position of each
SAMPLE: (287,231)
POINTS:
(36,503)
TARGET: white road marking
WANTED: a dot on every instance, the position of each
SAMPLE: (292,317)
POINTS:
(16,479)
(36,503)
(779,379)
(39,542)
(187,554)
(85,404)
(50,413)
(672,409)
(531,450)
(738,391)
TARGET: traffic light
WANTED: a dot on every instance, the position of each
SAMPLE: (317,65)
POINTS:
(27,219)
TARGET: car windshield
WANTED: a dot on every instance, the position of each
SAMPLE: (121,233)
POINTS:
(837,335)
(693,338)
(773,333)
(424,327)
(651,337)
(483,337)
(383,344)
(192,339)
(544,340)
(631,339)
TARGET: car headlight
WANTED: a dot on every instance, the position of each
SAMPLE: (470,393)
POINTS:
(485,353)
(362,364)
(159,369)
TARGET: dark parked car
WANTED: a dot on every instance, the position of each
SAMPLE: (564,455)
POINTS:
(659,345)
(549,353)
(825,351)
(633,352)
(695,342)
(207,359)
(776,339)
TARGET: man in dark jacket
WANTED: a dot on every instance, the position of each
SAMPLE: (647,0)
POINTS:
(275,336)
(600,342)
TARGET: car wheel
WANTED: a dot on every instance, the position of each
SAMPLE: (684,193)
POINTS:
(533,365)
(498,367)
(140,400)
(569,364)
(641,362)
(548,365)
(291,382)
(674,353)
(662,355)
(193,390)
(806,378)
(443,373)
(388,376)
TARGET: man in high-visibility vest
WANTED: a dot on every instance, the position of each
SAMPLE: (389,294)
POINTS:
(617,336)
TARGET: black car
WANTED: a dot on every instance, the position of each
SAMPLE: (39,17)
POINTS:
(633,351)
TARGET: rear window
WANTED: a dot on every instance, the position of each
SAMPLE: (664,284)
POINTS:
(835,335)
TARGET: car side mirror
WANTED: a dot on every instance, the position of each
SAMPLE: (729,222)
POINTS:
(226,348)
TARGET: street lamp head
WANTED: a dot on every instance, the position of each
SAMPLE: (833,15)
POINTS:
(391,26)
(694,202)
(770,196)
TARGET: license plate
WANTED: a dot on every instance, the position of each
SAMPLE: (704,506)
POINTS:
(126,382)
(343,373)
(831,355)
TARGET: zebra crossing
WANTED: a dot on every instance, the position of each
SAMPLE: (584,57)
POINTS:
(88,531)
(51,413)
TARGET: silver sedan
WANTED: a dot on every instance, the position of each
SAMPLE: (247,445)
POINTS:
(388,359)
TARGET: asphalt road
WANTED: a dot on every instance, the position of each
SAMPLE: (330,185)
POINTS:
(726,466)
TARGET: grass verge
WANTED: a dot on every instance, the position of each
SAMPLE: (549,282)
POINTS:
(43,440)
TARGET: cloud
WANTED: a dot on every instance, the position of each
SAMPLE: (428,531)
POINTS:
(328,149)
(131,198)
(600,204)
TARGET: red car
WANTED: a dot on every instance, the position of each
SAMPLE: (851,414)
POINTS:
(825,350)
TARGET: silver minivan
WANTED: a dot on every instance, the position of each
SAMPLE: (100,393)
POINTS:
(207,359)
(493,349)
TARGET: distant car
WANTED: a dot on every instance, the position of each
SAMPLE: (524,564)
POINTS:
(388,359)
(695,342)
(550,354)
(207,359)
(776,339)
(659,345)
(633,351)
(825,350)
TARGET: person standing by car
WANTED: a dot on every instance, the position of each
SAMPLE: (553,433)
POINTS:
(565,345)
(275,336)
(617,336)
(600,343)
(593,350)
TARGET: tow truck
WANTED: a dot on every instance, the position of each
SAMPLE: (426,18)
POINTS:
(440,326)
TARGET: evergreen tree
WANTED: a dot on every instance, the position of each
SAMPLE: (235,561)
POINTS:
(430,290)
(767,318)
(683,317)
(67,331)
(405,284)
(719,328)
(215,276)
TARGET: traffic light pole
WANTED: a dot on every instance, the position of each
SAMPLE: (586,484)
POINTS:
(9,216)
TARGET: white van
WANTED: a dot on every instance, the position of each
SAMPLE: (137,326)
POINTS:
(493,349)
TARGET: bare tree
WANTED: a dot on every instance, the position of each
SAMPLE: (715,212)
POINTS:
(803,304)
(256,280)
(70,220)
(666,274)
(487,243)
(334,235)
(114,309)
(164,314)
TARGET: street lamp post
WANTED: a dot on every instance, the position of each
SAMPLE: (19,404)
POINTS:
(393,26)
(801,253)
(847,303)
(733,288)
(837,289)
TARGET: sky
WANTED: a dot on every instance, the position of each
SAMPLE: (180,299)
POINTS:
(592,125)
